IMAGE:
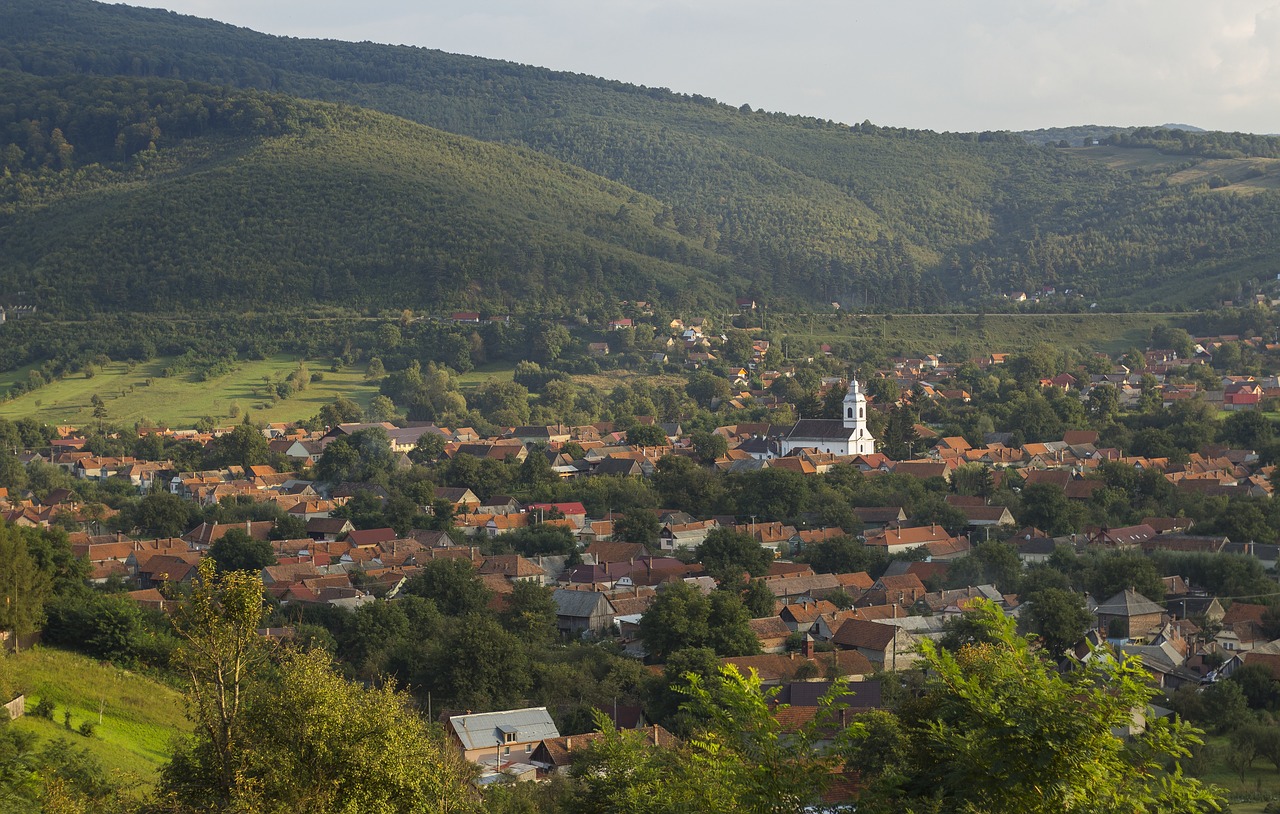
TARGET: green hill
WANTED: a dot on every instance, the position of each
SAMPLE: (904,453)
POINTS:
(139,716)
(760,203)
(245,198)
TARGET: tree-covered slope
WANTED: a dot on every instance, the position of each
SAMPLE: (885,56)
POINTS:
(798,207)
(130,194)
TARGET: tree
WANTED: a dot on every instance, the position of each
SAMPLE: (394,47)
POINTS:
(244,446)
(706,388)
(1103,403)
(220,650)
(1058,617)
(477,665)
(841,555)
(428,449)
(682,617)
(1260,687)
(676,620)
(1046,507)
(758,599)
(452,584)
(364,455)
(24,585)
(728,554)
(708,447)
(341,410)
(298,753)
(637,526)
(998,730)
(1246,429)
(647,435)
(531,612)
(992,563)
(381,408)
(740,759)
(237,551)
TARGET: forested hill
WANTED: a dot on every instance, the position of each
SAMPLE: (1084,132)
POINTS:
(793,207)
(151,195)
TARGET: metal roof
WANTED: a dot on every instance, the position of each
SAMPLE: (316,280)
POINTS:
(486,729)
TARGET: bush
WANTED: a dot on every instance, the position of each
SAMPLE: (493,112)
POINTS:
(43,709)
(86,728)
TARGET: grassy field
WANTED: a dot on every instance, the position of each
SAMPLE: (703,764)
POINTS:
(140,717)
(496,372)
(180,401)
(1260,782)
(1128,158)
(918,334)
(1243,175)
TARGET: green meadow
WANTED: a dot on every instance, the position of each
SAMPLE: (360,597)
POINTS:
(135,717)
(142,393)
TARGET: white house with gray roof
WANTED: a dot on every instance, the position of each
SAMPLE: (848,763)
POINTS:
(497,738)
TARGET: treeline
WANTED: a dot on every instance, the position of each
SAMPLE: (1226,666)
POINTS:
(1206,144)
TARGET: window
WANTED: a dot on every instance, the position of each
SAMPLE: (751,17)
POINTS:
(851,412)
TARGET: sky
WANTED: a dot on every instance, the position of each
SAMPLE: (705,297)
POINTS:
(961,65)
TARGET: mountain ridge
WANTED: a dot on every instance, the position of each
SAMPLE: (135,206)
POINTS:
(799,209)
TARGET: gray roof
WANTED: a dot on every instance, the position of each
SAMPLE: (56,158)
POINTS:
(1128,603)
(580,604)
(486,729)
(830,429)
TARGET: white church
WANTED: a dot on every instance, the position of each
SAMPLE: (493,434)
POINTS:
(845,436)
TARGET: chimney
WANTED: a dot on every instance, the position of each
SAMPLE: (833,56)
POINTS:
(568,743)
(806,647)
(655,734)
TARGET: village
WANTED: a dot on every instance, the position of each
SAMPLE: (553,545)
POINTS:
(1000,508)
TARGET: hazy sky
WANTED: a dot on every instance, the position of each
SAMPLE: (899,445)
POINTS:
(937,64)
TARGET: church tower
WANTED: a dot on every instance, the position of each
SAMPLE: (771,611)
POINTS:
(861,442)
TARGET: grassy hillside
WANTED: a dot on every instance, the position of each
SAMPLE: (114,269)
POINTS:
(139,716)
(143,393)
(789,206)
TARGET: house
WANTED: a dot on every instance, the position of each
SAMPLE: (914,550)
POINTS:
(492,739)
(1128,615)
(578,612)
(206,534)
(328,529)
(462,499)
(1122,538)
(886,646)
(846,436)
(880,516)
(902,539)
(514,568)
(772,632)
(685,535)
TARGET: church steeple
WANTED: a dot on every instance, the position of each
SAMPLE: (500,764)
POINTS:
(855,407)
